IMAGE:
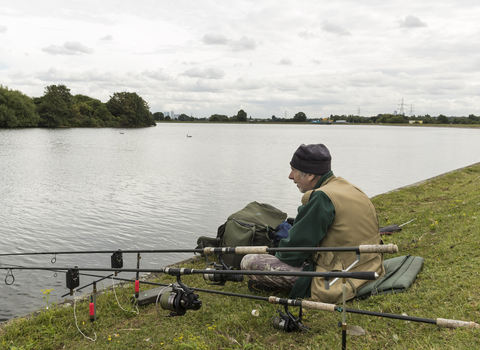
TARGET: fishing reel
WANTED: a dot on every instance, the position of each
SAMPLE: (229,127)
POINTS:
(288,323)
(220,278)
(179,299)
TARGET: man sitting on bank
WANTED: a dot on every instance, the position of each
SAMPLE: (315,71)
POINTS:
(334,213)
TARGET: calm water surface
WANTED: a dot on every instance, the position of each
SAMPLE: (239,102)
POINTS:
(154,188)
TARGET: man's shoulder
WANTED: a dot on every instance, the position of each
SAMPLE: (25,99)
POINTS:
(314,196)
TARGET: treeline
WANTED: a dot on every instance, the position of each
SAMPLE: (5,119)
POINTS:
(241,116)
(59,108)
(301,117)
(401,119)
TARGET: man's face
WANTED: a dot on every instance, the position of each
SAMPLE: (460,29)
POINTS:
(305,183)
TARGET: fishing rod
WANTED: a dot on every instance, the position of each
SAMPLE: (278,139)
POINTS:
(441,322)
(364,275)
(117,256)
(384,248)
(73,274)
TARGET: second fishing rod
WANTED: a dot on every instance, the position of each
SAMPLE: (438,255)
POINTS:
(387,248)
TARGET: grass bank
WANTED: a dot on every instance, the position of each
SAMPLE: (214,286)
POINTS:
(446,233)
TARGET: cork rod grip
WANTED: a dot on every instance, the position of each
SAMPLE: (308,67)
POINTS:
(384,248)
(306,304)
(251,250)
(318,306)
(442,322)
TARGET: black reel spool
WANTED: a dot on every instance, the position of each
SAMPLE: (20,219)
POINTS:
(288,323)
(179,300)
(220,278)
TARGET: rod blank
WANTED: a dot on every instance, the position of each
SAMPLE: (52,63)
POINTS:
(366,275)
(378,248)
(387,248)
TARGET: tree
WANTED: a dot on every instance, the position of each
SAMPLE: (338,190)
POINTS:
(102,113)
(441,119)
(300,117)
(183,117)
(54,106)
(158,116)
(218,118)
(397,119)
(131,109)
(241,116)
(16,109)
(473,118)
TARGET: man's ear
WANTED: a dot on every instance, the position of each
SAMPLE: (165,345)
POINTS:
(314,178)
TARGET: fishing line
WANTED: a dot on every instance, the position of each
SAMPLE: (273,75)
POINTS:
(76,322)
(113,287)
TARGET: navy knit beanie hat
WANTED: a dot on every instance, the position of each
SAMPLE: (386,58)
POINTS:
(312,159)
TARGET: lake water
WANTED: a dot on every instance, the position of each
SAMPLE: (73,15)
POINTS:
(156,188)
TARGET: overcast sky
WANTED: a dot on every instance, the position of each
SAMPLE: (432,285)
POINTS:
(266,57)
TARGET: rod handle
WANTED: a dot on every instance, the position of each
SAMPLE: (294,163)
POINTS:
(306,304)
(318,306)
(442,322)
(251,250)
(363,275)
(379,248)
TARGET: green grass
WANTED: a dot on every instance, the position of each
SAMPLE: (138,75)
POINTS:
(446,233)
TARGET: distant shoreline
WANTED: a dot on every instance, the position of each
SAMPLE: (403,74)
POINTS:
(471,126)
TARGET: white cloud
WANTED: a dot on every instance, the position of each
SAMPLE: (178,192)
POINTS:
(107,38)
(215,39)
(412,22)
(3,29)
(68,48)
(207,73)
(244,44)
(159,74)
(286,61)
(334,28)
(307,34)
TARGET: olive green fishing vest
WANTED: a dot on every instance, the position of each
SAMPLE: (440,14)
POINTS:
(355,224)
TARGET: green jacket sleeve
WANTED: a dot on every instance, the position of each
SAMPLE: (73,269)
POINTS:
(309,228)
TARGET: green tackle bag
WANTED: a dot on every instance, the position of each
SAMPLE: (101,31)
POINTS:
(254,225)
(400,273)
